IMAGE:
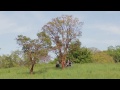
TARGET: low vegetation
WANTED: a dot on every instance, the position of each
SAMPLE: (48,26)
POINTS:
(77,71)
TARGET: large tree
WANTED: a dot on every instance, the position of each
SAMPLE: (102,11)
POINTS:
(34,49)
(62,30)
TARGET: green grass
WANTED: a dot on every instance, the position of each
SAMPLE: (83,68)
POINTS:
(77,71)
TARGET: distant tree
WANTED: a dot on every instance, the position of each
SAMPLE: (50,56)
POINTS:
(62,30)
(94,50)
(16,57)
(114,52)
(102,57)
(10,60)
(6,61)
(34,49)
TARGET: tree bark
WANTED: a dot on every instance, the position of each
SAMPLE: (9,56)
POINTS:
(62,57)
(63,64)
(32,63)
(63,61)
(31,70)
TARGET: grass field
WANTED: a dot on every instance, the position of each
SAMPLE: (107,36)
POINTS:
(77,71)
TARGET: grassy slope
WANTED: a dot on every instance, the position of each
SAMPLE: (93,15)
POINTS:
(77,71)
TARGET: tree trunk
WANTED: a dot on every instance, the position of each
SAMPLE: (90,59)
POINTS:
(63,64)
(31,70)
(32,62)
(63,61)
(62,57)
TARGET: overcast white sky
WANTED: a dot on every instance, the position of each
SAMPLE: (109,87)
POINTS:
(101,28)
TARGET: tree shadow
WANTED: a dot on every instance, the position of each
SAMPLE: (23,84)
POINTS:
(26,72)
(47,68)
(42,70)
(35,72)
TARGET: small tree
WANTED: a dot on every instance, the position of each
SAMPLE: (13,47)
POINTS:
(62,30)
(34,49)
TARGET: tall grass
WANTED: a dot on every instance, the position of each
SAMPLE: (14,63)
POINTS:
(77,71)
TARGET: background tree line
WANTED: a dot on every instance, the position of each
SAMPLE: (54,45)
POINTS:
(77,54)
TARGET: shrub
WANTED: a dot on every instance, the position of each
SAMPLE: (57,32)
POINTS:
(102,57)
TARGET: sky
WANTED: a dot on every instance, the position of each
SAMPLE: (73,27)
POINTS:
(101,29)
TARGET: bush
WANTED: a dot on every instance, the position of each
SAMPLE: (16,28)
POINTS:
(114,52)
(102,57)
(80,55)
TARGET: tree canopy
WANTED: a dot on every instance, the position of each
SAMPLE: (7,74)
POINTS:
(34,49)
(62,30)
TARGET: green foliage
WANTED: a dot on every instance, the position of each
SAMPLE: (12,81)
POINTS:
(114,52)
(79,54)
(16,57)
(12,60)
(6,62)
(46,41)
(34,49)
(102,57)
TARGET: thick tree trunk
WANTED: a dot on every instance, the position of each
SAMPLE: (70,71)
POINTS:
(62,57)
(63,64)
(63,61)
